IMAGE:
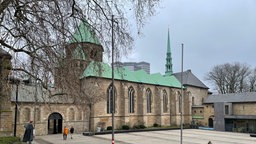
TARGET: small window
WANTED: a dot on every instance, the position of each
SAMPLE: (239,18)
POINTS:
(193,101)
(201,111)
(226,109)
(194,111)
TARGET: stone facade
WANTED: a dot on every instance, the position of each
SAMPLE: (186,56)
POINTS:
(78,116)
(197,96)
(5,103)
(40,114)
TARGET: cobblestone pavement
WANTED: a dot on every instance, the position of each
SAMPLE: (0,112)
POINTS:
(190,136)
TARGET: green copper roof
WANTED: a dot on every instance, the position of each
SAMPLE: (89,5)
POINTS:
(99,69)
(84,33)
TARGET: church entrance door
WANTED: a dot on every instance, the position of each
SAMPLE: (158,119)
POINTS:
(55,123)
(210,122)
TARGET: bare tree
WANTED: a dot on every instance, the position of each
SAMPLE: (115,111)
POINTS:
(229,78)
(36,32)
(252,81)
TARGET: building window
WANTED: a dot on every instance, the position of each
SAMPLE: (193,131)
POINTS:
(193,101)
(79,116)
(37,115)
(165,101)
(71,114)
(226,109)
(149,100)
(110,99)
(26,115)
(131,99)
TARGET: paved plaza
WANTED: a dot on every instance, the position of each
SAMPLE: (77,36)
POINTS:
(190,136)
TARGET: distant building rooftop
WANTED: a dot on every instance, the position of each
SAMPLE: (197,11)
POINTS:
(232,97)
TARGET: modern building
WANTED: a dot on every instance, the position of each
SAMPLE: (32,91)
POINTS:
(134,66)
(231,112)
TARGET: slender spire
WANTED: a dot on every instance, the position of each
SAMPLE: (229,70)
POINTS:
(168,65)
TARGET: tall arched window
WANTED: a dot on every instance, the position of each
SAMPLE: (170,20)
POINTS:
(26,115)
(193,101)
(71,114)
(149,100)
(165,101)
(79,115)
(37,115)
(131,99)
(110,99)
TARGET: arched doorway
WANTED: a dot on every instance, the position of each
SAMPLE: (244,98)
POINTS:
(210,122)
(55,123)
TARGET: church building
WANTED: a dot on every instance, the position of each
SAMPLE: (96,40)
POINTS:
(138,97)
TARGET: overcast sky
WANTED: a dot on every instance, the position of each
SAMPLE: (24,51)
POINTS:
(213,32)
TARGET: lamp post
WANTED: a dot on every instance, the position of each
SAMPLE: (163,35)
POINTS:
(16,108)
(181,97)
(113,89)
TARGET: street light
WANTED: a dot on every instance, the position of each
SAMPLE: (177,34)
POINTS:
(181,97)
(113,89)
(16,81)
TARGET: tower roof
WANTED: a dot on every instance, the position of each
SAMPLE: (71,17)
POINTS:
(84,33)
(189,79)
(168,65)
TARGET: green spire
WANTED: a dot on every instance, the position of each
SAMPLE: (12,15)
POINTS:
(168,65)
(84,33)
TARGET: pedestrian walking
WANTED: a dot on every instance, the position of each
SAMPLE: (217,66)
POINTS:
(28,135)
(209,142)
(65,133)
(71,131)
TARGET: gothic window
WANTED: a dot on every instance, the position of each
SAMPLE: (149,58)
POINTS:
(79,116)
(71,114)
(131,99)
(110,99)
(149,100)
(37,115)
(18,115)
(165,101)
(193,101)
(26,115)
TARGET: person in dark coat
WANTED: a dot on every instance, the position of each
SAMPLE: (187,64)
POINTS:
(28,135)
(71,131)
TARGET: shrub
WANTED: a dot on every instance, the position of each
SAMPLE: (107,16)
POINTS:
(109,128)
(10,140)
(142,126)
(125,127)
(156,125)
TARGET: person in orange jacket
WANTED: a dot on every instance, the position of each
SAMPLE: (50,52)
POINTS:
(65,133)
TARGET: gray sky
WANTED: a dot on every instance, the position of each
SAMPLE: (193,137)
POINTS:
(213,32)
